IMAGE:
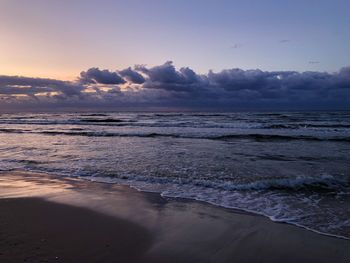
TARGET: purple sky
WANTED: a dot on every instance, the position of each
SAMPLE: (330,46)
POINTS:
(268,44)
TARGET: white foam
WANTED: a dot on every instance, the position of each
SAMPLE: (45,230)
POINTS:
(274,206)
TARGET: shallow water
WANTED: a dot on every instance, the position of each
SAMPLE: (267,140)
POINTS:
(291,167)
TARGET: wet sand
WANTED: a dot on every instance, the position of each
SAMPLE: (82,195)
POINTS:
(35,230)
(45,218)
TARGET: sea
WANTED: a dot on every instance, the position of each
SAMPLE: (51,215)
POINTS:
(291,167)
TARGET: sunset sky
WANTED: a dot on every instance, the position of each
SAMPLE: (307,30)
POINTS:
(60,39)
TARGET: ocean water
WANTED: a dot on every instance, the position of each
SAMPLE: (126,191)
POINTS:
(289,166)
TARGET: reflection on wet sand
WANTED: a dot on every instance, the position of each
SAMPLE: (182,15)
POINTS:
(186,229)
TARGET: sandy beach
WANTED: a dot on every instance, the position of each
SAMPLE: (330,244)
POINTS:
(174,131)
(46,218)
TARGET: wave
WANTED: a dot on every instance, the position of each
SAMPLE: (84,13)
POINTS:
(8,130)
(298,200)
(305,125)
(109,120)
(322,183)
(276,137)
(82,122)
(225,137)
(167,115)
(283,126)
(95,115)
(111,134)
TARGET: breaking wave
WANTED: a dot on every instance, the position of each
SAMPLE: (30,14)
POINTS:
(322,183)
(225,137)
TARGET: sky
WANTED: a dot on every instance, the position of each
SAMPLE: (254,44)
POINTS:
(242,49)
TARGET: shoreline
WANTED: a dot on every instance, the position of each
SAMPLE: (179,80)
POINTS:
(179,230)
(183,199)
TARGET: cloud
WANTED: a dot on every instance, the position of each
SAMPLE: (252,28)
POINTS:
(16,85)
(345,73)
(166,86)
(97,76)
(166,77)
(237,45)
(132,76)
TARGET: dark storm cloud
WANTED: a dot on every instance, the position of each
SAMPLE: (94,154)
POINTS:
(97,76)
(165,73)
(132,76)
(345,73)
(282,86)
(238,79)
(166,77)
(166,86)
(250,87)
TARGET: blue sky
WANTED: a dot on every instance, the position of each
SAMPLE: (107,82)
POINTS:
(60,38)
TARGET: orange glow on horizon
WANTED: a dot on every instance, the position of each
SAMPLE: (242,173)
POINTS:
(38,73)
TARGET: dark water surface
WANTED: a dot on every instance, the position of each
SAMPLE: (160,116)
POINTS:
(291,167)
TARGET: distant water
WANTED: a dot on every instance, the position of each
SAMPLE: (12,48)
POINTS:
(291,167)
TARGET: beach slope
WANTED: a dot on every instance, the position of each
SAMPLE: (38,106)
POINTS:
(46,218)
